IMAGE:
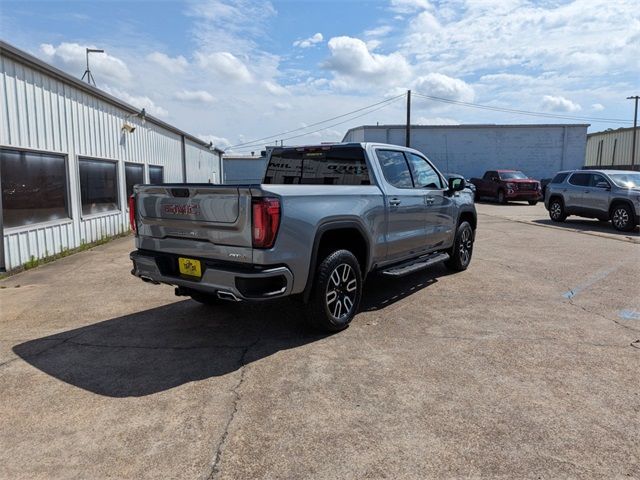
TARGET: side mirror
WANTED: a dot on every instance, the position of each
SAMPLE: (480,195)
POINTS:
(604,185)
(456,184)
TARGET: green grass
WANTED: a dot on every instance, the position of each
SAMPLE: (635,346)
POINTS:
(34,262)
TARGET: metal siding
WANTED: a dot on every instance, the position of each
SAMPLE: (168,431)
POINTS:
(622,148)
(202,163)
(41,112)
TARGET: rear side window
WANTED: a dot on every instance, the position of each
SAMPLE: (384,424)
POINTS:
(559,178)
(580,179)
(318,166)
(395,168)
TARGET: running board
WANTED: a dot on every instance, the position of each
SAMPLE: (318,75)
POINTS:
(415,265)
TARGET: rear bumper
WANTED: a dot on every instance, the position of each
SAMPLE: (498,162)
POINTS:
(244,283)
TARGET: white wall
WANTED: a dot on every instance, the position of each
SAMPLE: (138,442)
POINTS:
(42,113)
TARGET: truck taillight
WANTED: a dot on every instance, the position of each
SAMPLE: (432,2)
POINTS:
(265,221)
(132,214)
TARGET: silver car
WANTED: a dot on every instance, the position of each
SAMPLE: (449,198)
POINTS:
(603,194)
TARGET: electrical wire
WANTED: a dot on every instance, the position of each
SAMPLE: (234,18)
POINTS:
(278,135)
(520,112)
(386,104)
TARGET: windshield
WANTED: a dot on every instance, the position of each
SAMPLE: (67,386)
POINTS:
(512,176)
(626,180)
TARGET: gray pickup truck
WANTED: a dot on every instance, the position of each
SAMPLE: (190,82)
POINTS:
(323,218)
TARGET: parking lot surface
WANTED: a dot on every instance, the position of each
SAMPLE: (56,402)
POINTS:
(525,365)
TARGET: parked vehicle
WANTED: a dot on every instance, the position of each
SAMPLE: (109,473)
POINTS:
(543,186)
(505,185)
(322,220)
(603,194)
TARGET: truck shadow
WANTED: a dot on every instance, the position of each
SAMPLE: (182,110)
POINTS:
(588,225)
(154,350)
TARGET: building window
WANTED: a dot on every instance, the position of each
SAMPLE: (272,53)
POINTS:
(98,186)
(134,175)
(34,187)
(156,174)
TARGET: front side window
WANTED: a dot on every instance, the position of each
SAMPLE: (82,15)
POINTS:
(98,186)
(626,180)
(597,178)
(395,168)
(156,174)
(34,187)
(424,175)
(134,175)
(559,178)
(580,179)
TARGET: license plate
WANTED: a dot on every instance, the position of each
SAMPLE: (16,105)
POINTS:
(190,267)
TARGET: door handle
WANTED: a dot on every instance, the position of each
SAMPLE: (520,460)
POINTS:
(429,200)
(394,202)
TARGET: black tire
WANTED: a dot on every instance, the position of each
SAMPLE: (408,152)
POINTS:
(205,298)
(338,279)
(556,210)
(460,253)
(533,202)
(501,198)
(476,197)
(622,217)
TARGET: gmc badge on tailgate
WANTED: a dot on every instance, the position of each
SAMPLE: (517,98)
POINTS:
(185,209)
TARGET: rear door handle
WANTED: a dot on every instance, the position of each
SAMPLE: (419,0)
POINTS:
(429,200)
(394,202)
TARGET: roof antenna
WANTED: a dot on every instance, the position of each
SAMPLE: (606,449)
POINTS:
(87,73)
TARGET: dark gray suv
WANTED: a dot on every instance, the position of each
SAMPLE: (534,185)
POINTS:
(603,194)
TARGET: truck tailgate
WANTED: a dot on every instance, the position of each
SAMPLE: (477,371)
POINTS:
(212,221)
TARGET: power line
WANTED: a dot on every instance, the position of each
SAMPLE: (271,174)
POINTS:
(520,112)
(278,135)
(386,104)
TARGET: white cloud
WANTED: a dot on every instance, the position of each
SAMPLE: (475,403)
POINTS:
(410,6)
(350,57)
(274,88)
(559,104)
(197,96)
(172,65)
(440,85)
(225,65)
(140,102)
(283,106)
(435,121)
(72,57)
(598,107)
(380,31)
(309,42)
(221,142)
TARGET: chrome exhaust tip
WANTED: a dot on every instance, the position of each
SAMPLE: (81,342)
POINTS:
(224,295)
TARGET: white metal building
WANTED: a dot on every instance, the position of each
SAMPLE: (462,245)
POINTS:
(67,164)
(612,148)
(538,150)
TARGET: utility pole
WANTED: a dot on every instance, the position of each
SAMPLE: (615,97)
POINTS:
(635,128)
(408,127)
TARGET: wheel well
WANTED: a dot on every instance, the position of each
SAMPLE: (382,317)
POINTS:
(469,217)
(556,197)
(615,203)
(344,238)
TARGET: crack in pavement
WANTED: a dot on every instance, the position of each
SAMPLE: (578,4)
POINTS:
(633,344)
(214,471)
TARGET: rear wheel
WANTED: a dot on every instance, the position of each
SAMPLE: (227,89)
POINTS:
(460,253)
(622,218)
(501,197)
(556,210)
(336,292)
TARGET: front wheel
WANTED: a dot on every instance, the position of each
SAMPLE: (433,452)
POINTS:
(460,253)
(622,218)
(556,210)
(336,292)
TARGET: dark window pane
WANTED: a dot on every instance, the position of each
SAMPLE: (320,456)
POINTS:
(318,166)
(395,168)
(98,186)
(580,179)
(134,174)
(424,176)
(156,174)
(34,187)
(559,178)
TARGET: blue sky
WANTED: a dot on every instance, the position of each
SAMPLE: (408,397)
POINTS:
(231,72)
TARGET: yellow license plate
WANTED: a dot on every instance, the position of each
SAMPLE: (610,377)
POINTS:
(190,267)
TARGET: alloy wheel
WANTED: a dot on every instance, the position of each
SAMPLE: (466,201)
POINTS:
(620,218)
(556,210)
(465,247)
(341,291)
